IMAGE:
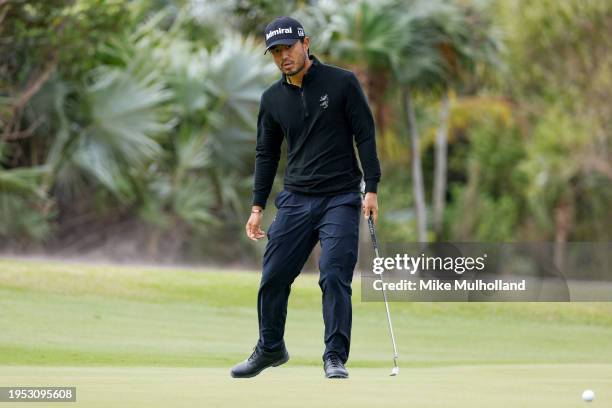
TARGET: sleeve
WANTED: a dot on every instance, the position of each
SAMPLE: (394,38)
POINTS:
(362,124)
(267,154)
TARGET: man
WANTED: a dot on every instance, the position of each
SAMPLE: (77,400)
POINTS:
(320,110)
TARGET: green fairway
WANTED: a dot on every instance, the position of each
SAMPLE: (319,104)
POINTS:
(168,337)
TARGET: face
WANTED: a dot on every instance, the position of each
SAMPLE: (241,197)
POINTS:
(290,59)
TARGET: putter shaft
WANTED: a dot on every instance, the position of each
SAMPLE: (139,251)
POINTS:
(376,252)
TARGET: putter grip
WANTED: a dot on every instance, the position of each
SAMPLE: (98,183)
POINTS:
(373,234)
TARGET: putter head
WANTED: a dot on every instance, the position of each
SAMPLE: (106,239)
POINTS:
(394,371)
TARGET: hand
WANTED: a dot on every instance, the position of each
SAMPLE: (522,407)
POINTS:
(253,226)
(370,205)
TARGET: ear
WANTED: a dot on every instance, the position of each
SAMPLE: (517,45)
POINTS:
(306,43)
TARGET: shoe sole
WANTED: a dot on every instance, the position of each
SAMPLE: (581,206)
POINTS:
(275,364)
(336,376)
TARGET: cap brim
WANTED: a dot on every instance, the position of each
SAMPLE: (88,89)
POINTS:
(286,41)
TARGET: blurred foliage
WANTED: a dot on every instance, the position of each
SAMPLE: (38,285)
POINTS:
(160,123)
(134,122)
(562,59)
(488,206)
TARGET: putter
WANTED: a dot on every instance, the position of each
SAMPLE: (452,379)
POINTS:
(395,370)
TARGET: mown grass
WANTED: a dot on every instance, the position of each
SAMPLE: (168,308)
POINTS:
(57,313)
(158,337)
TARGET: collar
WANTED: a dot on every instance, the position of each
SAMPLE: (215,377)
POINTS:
(311,73)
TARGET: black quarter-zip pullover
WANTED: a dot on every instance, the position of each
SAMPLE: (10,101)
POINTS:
(319,121)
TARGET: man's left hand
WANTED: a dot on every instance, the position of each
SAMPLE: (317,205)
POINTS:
(370,205)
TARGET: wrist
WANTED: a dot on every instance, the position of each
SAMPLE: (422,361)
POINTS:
(256,209)
(371,186)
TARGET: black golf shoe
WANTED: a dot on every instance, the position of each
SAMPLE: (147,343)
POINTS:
(259,361)
(334,368)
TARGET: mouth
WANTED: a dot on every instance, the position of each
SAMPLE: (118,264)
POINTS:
(287,64)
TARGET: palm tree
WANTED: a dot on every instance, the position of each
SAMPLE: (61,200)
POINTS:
(464,42)
(447,43)
(419,70)
(163,130)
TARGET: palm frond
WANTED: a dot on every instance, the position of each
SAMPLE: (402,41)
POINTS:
(24,181)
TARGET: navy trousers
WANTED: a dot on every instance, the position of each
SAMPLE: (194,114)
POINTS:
(301,221)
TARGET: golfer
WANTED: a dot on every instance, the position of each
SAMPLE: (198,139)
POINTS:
(321,112)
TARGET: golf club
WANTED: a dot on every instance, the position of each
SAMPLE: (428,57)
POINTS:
(395,370)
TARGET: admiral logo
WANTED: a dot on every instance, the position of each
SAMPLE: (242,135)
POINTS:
(300,31)
(324,101)
(272,33)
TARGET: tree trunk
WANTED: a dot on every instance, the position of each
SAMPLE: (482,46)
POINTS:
(564,212)
(417,172)
(439,189)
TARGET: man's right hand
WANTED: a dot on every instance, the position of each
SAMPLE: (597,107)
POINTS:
(253,226)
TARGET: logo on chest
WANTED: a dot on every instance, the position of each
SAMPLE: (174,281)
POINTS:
(324,101)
